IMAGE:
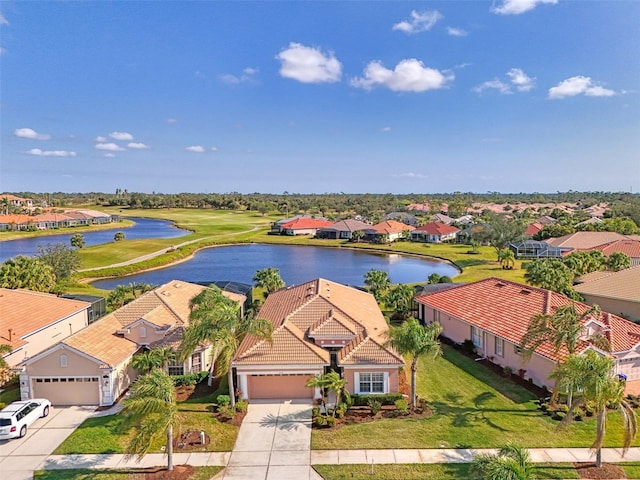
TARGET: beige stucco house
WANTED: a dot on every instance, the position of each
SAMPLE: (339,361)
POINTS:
(617,292)
(31,321)
(494,314)
(91,367)
(318,326)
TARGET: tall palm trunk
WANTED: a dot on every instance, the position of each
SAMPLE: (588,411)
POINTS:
(212,367)
(170,448)
(414,370)
(600,430)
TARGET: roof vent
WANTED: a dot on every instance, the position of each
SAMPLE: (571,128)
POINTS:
(500,285)
(177,285)
(525,292)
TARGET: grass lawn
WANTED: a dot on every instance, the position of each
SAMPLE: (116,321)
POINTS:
(201,473)
(10,392)
(107,434)
(473,408)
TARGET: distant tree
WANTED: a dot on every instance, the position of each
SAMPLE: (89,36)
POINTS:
(29,273)
(507,258)
(118,297)
(400,298)
(269,278)
(434,278)
(551,274)
(445,279)
(553,231)
(77,240)
(413,339)
(64,260)
(583,262)
(618,261)
(500,231)
(357,236)
(118,236)
(625,226)
(378,282)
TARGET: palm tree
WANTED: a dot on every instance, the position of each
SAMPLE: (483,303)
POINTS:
(551,274)
(269,278)
(400,299)
(377,282)
(506,258)
(145,361)
(118,297)
(152,408)
(4,349)
(563,328)
(413,339)
(594,375)
(77,240)
(27,272)
(163,356)
(510,463)
(216,319)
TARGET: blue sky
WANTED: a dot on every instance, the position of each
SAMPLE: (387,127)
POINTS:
(315,97)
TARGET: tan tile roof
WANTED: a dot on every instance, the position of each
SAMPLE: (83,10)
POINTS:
(622,285)
(348,225)
(585,240)
(366,351)
(505,309)
(25,311)
(391,226)
(99,341)
(318,307)
(631,248)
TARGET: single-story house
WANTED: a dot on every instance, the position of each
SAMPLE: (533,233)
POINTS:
(31,321)
(537,249)
(585,240)
(276,227)
(495,313)
(342,230)
(629,247)
(387,231)
(435,232)
(533,229)
(442,218)
(403,217)
(13,222)
(92,367)
(617,292)
(546,220)
(303,226)
(317,326)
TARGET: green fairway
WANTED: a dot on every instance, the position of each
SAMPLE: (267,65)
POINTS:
(473,408)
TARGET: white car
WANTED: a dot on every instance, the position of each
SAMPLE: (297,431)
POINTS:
(16,417)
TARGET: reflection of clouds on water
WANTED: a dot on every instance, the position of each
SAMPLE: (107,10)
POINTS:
(297,264)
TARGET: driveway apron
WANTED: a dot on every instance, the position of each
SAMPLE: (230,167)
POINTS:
(274,442)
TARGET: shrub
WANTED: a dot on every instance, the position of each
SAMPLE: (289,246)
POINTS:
(563,408)
(188,379)
(227,411)
(402,405)
(2,405)
(508,371)
(242,406)
(341,409)
(544,406)
(374,405)
(331,422)
(468,346)
(223,400)
(347,398)
(578,414)
(320,421)
(558,415)
(315,412)
(385,399)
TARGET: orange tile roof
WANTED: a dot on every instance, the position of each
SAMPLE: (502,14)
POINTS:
(437,228)
(305,223)
(17,219)
(391,226)
(505,309)
(100,341)
(319,307)
(622,285)
(628,247)
(25,311)
(533,228)
(51,217)
(585,240)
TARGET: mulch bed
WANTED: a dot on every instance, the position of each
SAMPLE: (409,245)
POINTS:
(607,471)
(179,472)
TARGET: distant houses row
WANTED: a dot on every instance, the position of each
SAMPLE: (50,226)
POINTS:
(351,229)
(55,220)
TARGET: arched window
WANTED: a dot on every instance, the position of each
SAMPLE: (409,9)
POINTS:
(143,332)
(63,360)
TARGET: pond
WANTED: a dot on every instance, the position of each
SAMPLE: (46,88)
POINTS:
(143,228)
(297,264)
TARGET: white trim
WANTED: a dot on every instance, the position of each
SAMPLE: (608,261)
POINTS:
(356,383)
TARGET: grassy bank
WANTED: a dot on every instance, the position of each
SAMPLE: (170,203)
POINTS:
(66,231)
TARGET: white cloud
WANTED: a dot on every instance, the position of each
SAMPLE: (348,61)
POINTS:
(138,146)
(386,129)
(111,147)
(3,20)
(410,175)
(195,149)
(309,65)
(121,136)
(50,153)
(110,155)
(410,75)
(101,139)
(579,85)
(419,21)
(214,149)
(516,7)
(456,32)
(493,85)
(521,80)
(172,120)
(30,134)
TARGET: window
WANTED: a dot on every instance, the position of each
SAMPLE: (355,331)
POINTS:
(476,336)
(63,361)
(176,369)
(143,332)
(196,363)
(436,315)
(517,350)
(371,383)
(500,347)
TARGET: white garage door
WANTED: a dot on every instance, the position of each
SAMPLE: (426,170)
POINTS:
(68,390)
(279,386)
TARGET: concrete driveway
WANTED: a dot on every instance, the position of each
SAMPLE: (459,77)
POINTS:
(274,442)
(19,457)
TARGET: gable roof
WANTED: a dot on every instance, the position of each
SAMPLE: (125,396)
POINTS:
(622,285)
(533,228)
(585,240)
(437,228)
(348,225)
(505,308)
(304,223)
(390,226)
(629,247)
(441,217)
(25,312)
(316,308)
